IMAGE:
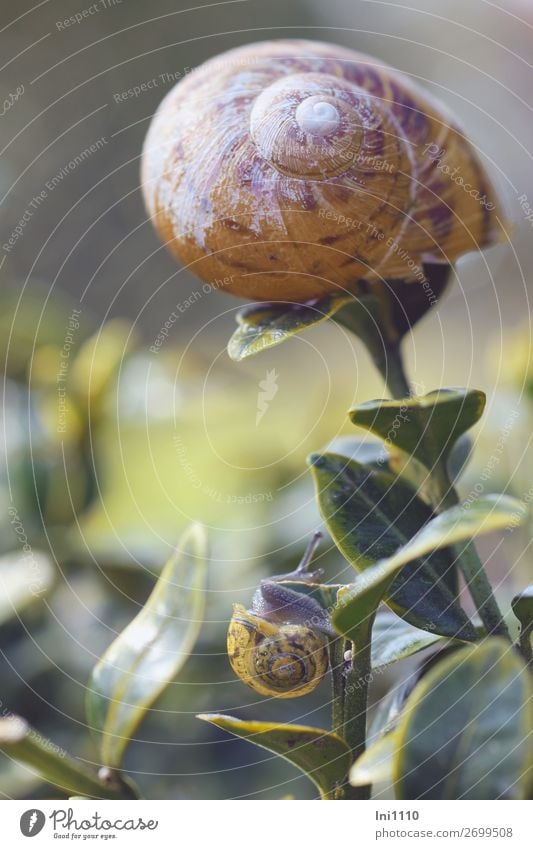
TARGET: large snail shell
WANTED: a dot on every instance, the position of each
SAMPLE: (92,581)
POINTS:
(284,661)
(284,170)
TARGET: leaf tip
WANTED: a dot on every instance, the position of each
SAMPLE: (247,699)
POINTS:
(316,460)
(235,352)
(205,717)
(214,718)
(13,729)
(198,532)
(194,541)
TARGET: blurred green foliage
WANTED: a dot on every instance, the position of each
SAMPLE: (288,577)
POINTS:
(99,492)
(106,461)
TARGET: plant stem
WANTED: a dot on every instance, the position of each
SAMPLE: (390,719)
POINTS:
(469,562)
(390,365)
(525,643)
(355,707)
(389,362)
(481,591)
(336,660)
(393,373)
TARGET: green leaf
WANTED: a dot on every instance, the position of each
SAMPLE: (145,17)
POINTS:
(369,452)
(149,653)
(491,513)
(24,579)
(412,471)
(459,457)
(426,426)
(419,477)
(370,515)
(323,756)
(388,712)
(415,473)
(394,639)
(488,514)
(263,325)
(24,744)
(375,764)
(465,728)
(379,320)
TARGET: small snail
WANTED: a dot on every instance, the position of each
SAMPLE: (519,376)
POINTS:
(280,647)
(286,170)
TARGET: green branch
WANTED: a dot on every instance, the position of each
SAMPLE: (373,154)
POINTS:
(355,707)
(469,561)
(336,659)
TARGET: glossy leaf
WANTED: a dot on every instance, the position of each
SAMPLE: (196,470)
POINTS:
(388,712)
(375,764)
(369,452)
(414,472)
(421,479)
(323,756)
(361,599)
(425,426)
(24,744)
(263,325)
(149,653)
(459,457)
(394,639)
(370,515)
(488,514)
(389,709)
(466,729)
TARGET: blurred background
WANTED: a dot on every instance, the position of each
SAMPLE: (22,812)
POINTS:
(109,450)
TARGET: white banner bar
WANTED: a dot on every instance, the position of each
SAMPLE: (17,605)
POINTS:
(268,825)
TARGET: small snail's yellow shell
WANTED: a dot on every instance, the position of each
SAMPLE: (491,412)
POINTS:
(286,170)
(276,660)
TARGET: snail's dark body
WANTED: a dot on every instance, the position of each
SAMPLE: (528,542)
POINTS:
(290,169)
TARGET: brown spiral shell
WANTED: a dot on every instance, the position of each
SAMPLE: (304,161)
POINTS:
(279,660)
(286,170)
